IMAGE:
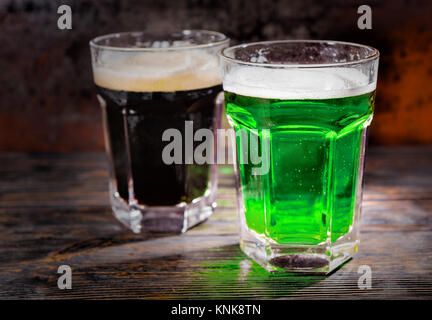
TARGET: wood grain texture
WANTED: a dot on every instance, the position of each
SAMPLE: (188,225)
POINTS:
(54,210)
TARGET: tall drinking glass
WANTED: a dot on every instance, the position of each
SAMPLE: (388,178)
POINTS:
(303,108)
(156,91)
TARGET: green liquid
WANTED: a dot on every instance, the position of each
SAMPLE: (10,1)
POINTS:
(309,194)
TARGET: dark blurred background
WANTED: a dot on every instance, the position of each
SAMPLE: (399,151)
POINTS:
(47,100)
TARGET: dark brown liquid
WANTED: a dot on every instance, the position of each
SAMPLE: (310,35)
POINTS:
(137,120)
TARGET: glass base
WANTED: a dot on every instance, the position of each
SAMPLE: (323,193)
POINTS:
(176,219)
(319,259)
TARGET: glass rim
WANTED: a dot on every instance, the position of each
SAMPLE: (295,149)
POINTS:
(374,55)
(224,39)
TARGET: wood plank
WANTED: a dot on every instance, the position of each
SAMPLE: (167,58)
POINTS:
(55,210)
(131,270)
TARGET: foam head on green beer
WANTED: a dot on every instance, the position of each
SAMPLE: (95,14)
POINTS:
(293,83)
(315,121)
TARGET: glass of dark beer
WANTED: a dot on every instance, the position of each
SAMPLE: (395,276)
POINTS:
(152,87)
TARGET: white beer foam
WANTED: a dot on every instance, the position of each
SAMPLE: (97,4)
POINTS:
(295,83)
(156,71)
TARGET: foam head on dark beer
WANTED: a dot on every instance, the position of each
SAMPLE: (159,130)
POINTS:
(156,71)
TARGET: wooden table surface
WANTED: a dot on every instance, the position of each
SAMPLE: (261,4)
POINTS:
(54,210)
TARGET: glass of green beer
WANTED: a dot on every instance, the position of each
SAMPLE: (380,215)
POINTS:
(301,112)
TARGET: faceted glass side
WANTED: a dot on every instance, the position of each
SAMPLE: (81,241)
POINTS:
(302,215)
(173,218)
